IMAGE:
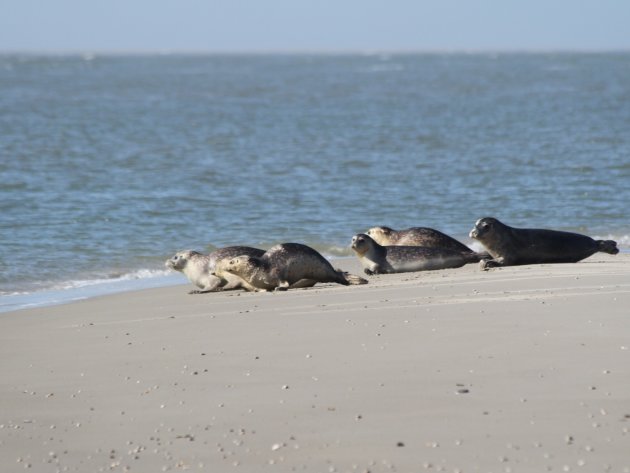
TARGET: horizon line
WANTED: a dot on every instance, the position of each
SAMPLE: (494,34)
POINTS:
(306,51)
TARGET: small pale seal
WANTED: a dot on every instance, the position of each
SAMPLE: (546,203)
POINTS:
(416,236)
(285,266)
(378,259)
(198,268)
(510,246)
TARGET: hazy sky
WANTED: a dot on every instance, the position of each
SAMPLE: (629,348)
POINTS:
(326,25)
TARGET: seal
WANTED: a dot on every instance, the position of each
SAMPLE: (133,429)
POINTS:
(198,268)
(285,266)
(509,246)
(378,259)
(416,236)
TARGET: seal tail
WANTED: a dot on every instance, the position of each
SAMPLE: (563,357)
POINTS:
(352,279)
(608,246)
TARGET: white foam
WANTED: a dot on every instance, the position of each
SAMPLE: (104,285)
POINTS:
(132,276)
(69,291)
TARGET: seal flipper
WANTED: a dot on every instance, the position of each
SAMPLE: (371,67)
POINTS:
(352,279)
(215,286)
(608,246)
(486,264)
(483,255)
(303,283)
(473,257)
(282,286)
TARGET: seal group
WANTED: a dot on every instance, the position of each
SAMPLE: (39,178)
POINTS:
(289,265)
(199,268)
(378,259)
(381,250)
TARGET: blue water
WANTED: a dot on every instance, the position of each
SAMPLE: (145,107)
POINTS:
(109,164)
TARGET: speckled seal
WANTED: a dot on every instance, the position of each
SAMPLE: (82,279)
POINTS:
(416,236)
(509,246)
(286,266)
(199,268)
(378,259)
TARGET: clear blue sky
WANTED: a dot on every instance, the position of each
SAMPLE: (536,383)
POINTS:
(321,25)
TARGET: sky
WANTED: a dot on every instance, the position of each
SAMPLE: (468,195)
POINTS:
(313,25)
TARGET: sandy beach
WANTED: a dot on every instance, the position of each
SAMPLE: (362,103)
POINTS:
(521,369)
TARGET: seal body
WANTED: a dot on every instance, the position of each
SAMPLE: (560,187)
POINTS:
(378,259)
(199,268)
(284,266)
(416,236)
(509,246)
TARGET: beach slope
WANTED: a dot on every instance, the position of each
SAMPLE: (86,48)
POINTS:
(521,369)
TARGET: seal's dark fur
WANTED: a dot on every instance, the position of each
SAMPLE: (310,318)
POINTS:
(511,246)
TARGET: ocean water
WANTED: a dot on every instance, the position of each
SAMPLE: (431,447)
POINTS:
(109,164)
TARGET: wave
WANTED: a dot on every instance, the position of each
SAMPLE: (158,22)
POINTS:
(42,286)
(132,276)
(73,290)
(332,251)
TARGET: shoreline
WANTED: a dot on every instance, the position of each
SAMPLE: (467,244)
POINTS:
(96,288)
(89,290)
(132,281)
(516,369)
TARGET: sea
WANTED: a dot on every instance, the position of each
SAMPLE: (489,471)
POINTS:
(109,163)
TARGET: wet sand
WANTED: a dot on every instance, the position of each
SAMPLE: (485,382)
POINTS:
(522,369)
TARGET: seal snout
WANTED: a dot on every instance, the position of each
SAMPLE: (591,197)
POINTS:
(482,226)
(360,244)
(178,260)
(357,241)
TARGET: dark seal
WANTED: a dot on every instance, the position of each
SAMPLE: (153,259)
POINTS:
(378,259)
(510,246)
(416,236)
(285,266)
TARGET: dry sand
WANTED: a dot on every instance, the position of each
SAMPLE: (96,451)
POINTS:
(523,369)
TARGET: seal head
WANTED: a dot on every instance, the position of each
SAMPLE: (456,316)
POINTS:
(384,236)
(180,260)
(416,236)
